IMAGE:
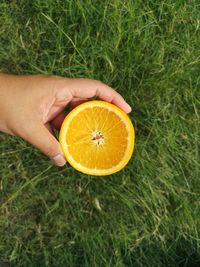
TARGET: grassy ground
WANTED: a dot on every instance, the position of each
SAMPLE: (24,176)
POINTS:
(149,213)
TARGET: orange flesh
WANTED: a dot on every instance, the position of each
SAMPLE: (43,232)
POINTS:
(97,138)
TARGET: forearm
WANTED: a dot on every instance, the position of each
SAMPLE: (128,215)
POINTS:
(4,101)
(10,95)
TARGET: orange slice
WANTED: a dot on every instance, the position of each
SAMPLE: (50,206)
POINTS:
(97,138)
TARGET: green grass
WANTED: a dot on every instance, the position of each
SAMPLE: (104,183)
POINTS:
(149,212)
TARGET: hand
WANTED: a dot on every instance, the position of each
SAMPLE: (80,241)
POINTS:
(30,106)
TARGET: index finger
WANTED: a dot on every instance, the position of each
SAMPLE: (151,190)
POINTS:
(87,88)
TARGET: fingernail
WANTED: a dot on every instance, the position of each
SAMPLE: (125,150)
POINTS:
(59,160)
(128,108)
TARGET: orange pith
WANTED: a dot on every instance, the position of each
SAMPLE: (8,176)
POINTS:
(97,138)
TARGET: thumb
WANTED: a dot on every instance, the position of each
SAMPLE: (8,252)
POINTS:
(40,137)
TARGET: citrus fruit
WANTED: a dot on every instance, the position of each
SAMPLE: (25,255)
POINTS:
(97,138)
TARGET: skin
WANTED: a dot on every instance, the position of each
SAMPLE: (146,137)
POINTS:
(31,106)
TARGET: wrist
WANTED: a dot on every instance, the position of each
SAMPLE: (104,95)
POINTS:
(5,101)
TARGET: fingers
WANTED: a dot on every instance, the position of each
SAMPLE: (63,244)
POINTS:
(49,127)
(58,120)
(77,101)
(86,88)
(39,136)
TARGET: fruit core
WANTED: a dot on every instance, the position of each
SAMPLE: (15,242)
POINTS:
(98,138)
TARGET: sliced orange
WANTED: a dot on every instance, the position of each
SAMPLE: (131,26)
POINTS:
(97,138)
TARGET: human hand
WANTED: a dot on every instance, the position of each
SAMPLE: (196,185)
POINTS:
(31,106)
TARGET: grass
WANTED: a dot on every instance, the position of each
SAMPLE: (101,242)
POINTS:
(149,213)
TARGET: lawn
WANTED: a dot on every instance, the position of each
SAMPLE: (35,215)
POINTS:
(148,214)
